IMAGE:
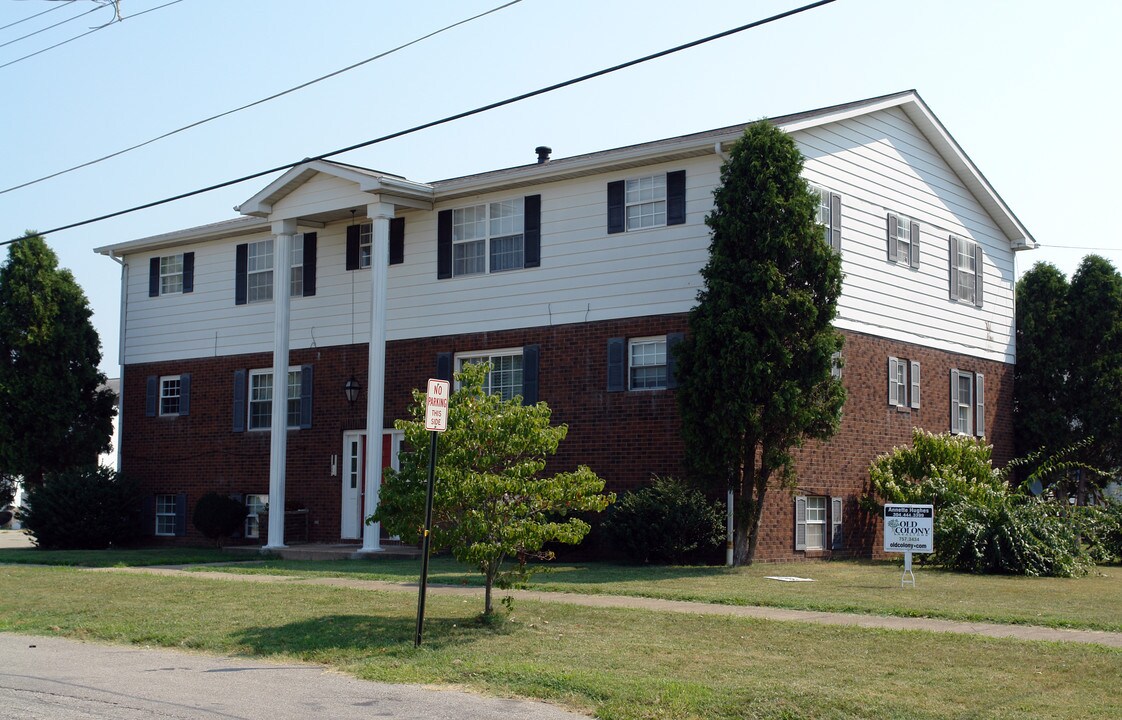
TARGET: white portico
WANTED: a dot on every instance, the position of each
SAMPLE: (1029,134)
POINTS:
(311,195)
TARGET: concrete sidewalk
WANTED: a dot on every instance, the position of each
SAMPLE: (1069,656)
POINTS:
(993,630)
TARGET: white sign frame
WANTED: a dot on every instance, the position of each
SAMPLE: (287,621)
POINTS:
(912,531)
(436,405)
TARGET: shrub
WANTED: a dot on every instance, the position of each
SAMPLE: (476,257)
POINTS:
(940,469)
(1100,527)
(218,516)
(666,522)
(1016,535)
(85,508)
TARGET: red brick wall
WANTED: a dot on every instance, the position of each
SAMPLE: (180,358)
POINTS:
(623,436)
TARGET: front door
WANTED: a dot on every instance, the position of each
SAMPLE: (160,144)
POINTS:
(354,477)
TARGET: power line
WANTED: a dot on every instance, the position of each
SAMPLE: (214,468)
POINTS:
(1078,247)
(89,32)
(434,123)
(259,102)
(62,22)
(32,17)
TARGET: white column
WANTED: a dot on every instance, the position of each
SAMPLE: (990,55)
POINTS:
(380,214)
(283,230)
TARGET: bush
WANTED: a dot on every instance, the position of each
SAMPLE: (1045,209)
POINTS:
(1017,535)
(86,508)
(667,522)
(218,516)
(940,469)
(1100,527)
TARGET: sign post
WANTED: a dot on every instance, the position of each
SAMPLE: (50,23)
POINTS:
(909,529)
(436,422)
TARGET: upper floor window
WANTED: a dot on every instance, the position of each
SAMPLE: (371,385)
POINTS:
(828,215)
(259,271)
(903,240)
(261,398)
(488,235)
(365,242)
(645,200)
(966,271)
(505,378)
(171,274)
(647,363)
(296,275)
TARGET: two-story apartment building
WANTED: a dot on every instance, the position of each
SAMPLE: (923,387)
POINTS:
(341,289)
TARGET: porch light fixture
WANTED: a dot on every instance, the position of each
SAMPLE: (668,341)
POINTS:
(351,388)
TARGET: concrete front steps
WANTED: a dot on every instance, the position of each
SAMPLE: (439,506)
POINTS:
(316,551)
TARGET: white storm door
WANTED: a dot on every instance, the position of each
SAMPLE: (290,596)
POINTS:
(354,477)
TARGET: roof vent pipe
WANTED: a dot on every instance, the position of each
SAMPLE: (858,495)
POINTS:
(543,153)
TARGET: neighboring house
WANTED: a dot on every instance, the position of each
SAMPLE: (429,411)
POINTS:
(109,459)
(573,276)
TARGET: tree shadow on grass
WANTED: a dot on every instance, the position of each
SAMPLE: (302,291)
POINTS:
(365,634)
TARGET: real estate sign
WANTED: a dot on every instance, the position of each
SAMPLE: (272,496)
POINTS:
(909,528)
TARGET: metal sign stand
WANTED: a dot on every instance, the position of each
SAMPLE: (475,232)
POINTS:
(436,422)
(908,570)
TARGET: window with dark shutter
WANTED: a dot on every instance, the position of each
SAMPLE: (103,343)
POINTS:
(532,231)
(353,233)
(676,197)
(800,523)
(673,340)
(181,514)
(616,214)
(444,366)
(185,394)
(154,277)
(444,245)
(836,222)
(239,400)
(913,251)
(617,364)
(188,272)
(837,541)
(892,237)
(305,397)
(151,396)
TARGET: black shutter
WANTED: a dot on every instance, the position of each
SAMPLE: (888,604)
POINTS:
(532,231)
(893,242)
(239,400)
(530,374)
(913,259)
(444,366)
(305,397)
(397,241)
(152,396)
(353,233)
(188,272)
(676,197)
(154,277)
(444,245)
(616,215)
(185,394)
(836,221)
(148,516)
(241,270)
(181,514)
(979,276)
(617,364)
(673,340)
(311,243)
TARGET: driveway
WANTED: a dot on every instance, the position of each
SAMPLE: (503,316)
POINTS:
(14,539)
(57,679)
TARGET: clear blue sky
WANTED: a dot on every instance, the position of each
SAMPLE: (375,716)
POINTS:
(1028,88)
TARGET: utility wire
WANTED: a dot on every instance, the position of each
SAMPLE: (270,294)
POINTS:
(32,17)
(88,32)
(434,123)
(259,102)
(62,22)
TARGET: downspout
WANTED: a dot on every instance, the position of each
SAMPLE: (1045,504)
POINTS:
(720,152)
(121,352)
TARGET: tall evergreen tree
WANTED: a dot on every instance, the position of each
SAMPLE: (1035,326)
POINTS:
(55,412)
(1041,412)
(1094,334)
(755,370)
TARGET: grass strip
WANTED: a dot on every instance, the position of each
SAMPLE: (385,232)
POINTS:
(117,558)
(616,663)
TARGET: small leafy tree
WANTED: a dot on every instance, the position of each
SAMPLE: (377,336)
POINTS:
(491,502)
(218,516)
(754,371)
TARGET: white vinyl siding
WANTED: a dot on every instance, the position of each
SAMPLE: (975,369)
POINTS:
(875,161)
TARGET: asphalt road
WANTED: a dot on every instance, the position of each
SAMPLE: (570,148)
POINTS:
(45,678)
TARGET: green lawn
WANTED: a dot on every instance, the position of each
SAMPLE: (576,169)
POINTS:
(117,558)
(1091,602)
(614,663)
